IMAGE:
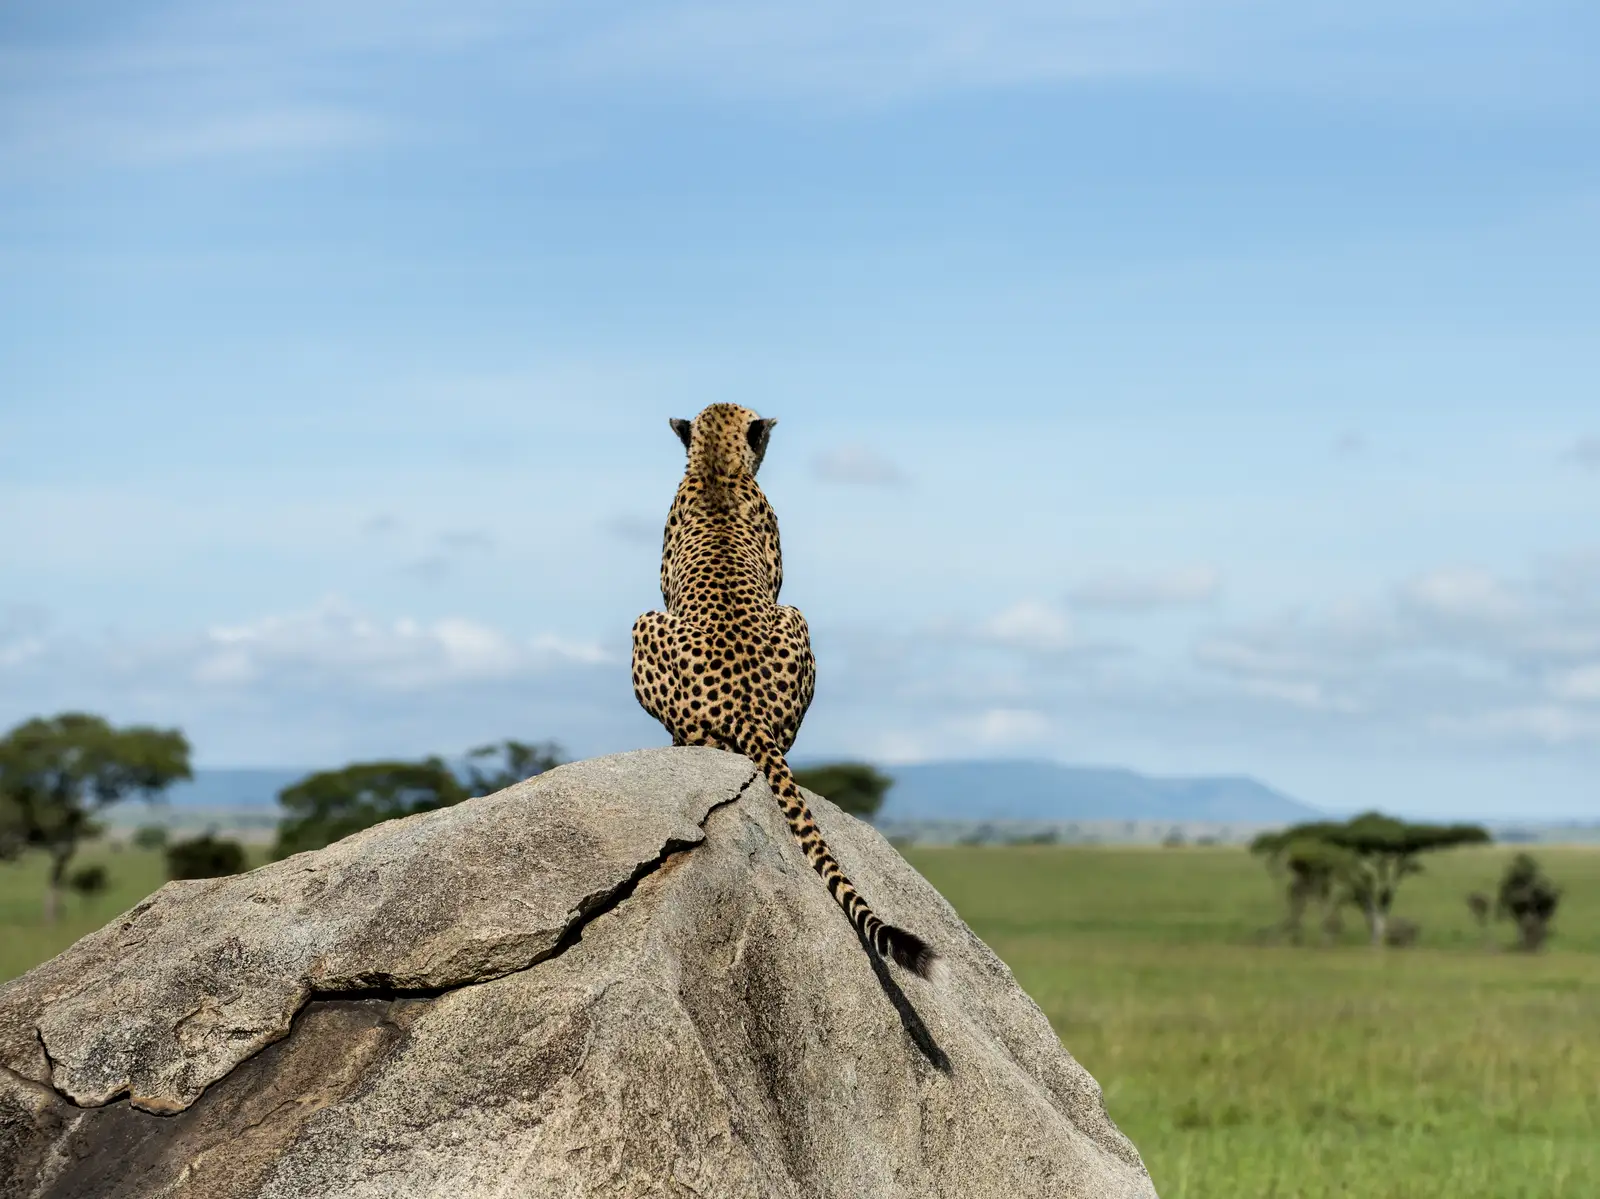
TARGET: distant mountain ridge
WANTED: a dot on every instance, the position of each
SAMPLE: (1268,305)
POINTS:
(1032,790)
(974,790)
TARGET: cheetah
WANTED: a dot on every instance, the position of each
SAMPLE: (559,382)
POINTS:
(726,665)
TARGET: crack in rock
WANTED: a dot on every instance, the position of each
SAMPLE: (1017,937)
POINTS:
(643,1059)
(589,909)
(136,1058)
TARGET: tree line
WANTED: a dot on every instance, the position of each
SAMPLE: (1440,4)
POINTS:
(58,775)
(1327,866)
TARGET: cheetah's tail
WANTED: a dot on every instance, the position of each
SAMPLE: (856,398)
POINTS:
(906,948)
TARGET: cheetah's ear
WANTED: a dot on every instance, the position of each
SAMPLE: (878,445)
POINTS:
(757,435)
(683,428)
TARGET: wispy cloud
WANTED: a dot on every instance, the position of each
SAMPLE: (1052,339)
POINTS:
(1136,591)
(1456,651)
(1586,452)
(856,464)
(229,80)
(1010,727)
(1032,625)
(459,541)
(634,529)
(263,133)
(330,682)
(1350,444)
(334,640)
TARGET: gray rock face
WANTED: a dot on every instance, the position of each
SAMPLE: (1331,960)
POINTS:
(617,979)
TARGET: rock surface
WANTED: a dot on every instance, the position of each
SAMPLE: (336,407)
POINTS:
(617,979)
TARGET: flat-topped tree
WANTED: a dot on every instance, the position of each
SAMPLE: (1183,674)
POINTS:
(1379,852)
(1317,871)
(56,772)
(331,804)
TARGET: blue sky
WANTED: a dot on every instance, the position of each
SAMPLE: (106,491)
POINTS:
(1196,387)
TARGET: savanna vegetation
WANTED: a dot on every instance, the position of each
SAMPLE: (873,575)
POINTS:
(1444,1041)
(1245,1067)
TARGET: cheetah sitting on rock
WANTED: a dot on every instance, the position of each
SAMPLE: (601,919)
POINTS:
(725,665)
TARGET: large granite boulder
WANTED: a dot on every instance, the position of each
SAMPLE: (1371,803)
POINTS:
(617,979)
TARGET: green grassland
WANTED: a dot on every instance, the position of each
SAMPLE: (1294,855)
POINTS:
(1240,1068)
(1243,1069)
(24,941)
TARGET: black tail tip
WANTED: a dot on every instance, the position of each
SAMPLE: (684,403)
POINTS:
(915,954)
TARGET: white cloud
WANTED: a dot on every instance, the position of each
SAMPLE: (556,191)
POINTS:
(331,682)
(1549,724)
(1581,685)
(898,747)
(1458,652)
(1461,594)
(856,464)
(549,648)
(1010,727)
(1136,592)
(1311,695)
(332,640)
(23,632)
(1031,625)
(19,650)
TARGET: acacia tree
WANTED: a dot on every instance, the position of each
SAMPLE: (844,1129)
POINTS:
(495,767)
(855,787)
(1316,872)
(1378,853)
(331,804)
(1388,851)
(57,772)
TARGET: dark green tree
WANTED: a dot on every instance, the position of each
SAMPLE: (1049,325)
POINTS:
(1529,898)
(854,786)
(205,856)
(150,836)
(57,772)
(331,804)
(1382,852)
(1315,873)
(88,880)
(495,767)
(1481,908)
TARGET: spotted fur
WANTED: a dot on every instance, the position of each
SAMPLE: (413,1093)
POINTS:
(726,665)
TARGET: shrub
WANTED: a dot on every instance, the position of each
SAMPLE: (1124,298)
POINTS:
(205,856)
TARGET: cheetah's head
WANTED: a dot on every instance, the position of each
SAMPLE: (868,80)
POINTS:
(725,438)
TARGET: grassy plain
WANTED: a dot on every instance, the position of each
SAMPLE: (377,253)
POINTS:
(1241,1070)
(1244,1070)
